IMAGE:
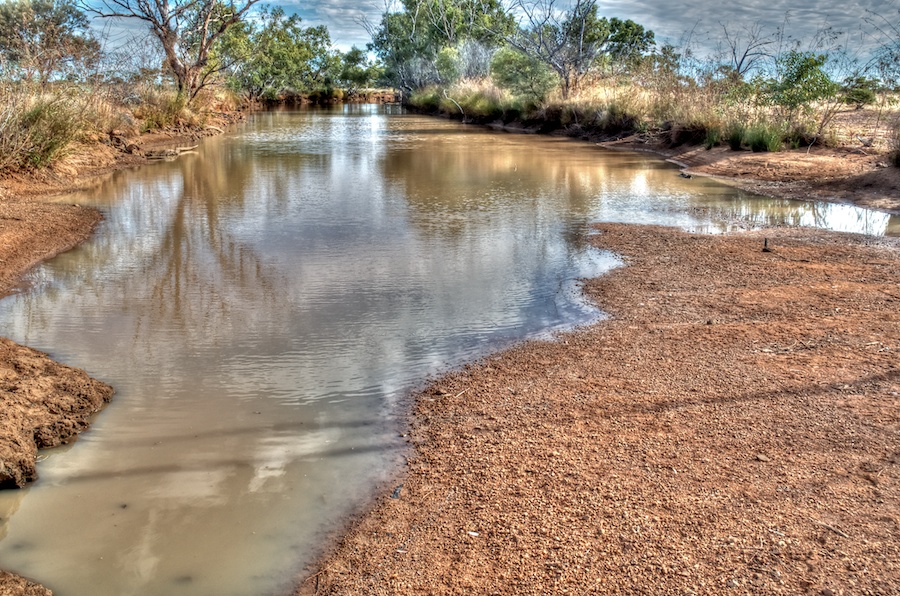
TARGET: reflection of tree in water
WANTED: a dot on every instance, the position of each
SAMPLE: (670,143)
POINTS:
(772,212)
(445,184)
(203,269)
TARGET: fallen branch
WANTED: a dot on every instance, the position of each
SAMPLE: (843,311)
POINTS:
(832,528)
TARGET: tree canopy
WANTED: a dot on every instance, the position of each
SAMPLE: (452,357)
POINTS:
(187,30)
(42,39)
(576,41)
(409,41)
(275,53)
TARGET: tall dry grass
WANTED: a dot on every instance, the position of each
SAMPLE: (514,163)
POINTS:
(677,110)
(39,127)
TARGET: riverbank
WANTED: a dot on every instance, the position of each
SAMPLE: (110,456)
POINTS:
(733,426)
(843,174)
(44,403)
(49,239)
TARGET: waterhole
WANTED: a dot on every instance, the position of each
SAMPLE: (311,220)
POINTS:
(264,305)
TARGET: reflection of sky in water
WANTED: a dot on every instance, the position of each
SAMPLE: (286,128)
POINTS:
(260,306)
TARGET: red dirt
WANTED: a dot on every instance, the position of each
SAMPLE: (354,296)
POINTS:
(733,427)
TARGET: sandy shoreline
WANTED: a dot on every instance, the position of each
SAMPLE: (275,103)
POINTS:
(32,230)
(734,426)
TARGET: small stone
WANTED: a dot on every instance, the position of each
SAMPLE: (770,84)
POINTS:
(761,457)
(732,583)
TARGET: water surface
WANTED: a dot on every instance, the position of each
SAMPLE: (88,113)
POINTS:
(262,307)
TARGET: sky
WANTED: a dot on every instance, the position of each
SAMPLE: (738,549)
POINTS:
(671,20)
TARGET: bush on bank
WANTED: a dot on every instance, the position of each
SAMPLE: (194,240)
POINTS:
(615,109)
(41,126)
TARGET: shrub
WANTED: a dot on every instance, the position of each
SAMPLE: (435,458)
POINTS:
(36,130)
(735,134)
(763,137)
(713,137)
(860,92)
(522,75)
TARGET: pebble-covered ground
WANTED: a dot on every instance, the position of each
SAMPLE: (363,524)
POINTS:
(733,428)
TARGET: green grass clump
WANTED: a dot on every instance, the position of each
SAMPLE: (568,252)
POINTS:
(713,137)
(763,137)
(734,135)
(428,98)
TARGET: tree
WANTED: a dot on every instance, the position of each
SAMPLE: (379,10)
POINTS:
(573,42)
(746,48)
(860,91)
(276,53)
(522,75)
(409,41)
(42,39)
(357,71)
(187,31)
(800,80)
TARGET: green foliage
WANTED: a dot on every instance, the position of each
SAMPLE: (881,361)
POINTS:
(713,137)
(617,118)
(522,75)
(356,71)
(427,98)
(763,137)
(860,91)
(409,42)
(45,39)
(447,64)
(734,135)
(276,54)
(579,41)
(800,81)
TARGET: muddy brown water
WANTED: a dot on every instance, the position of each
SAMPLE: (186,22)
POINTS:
(264,305)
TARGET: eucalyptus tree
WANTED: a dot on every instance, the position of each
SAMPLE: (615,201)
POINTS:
(45,39)
(275,53)
(357,71)
(409,39)
(187,31)
(576,41)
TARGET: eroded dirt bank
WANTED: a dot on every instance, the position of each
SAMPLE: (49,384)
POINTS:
(733,428)
(843,174)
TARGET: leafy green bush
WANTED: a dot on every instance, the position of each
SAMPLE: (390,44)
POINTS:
(447,64)
(860,92)
(522,75)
